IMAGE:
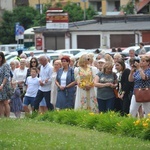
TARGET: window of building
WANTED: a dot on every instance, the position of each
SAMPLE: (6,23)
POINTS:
(99,6)
(39,7)
(117,5)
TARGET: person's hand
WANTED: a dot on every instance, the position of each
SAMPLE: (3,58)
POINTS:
(46,80)
(120,95)
(1,87)
(87,87)
(41,83)
(62,87)
(113,85)
(108,84)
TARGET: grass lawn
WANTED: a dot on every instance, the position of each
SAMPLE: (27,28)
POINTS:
(26,134)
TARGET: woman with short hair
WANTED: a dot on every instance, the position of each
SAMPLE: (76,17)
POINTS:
(140,75)
(66,85)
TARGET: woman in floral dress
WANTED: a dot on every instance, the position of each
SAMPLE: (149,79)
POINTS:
(85,94)
(4,86)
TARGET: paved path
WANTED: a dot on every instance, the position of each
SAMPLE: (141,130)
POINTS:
(13,116)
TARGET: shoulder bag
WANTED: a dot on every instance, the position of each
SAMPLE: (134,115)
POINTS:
(142,95)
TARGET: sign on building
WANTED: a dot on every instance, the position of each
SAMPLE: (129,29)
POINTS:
(56,19)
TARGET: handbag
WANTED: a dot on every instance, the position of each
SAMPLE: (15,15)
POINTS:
(142,95)
(116,93)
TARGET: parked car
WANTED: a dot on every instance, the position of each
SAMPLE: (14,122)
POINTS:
(136,48)
(70,51)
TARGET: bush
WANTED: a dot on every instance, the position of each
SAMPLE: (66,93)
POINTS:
(108,122)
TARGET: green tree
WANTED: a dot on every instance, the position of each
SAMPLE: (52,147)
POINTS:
(40,19)
(90,12)
(24,15)
(129,8)
(75,12)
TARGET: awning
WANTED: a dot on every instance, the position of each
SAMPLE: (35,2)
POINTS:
(141,4)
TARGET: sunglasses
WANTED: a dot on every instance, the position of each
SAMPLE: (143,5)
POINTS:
(33,61)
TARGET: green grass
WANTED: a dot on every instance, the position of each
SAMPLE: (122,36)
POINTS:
(27,134)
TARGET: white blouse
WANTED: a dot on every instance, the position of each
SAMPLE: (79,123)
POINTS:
(63,78)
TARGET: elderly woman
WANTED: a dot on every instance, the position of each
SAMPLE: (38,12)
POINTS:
(56,66)
(66,85)
(105,82)
(4,86)
(140,75)
(85,94)
(20,76)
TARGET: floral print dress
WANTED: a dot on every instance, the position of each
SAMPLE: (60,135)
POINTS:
(85,99)
(4,73)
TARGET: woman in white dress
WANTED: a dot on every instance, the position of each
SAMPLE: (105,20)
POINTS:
(57,64)
(19,76)
(85,94)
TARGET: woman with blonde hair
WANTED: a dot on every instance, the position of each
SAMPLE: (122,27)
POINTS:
(105,82)
(90,58)
(85,94)
(107,57)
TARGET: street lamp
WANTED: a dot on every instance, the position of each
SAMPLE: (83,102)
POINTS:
(84,1)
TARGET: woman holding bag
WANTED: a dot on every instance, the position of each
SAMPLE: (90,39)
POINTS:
(106,82)
(140,74)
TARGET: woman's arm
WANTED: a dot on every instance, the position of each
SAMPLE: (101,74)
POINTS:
(131,78)
(100,85)
(71,84)
(142,74)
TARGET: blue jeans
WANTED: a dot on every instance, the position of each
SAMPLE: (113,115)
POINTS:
(106,105)
(29,100)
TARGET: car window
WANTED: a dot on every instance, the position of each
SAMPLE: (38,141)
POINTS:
(147,49)
(137,51)
(65,52)
(53,57)
(74,52)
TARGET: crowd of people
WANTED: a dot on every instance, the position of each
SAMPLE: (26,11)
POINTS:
(99,85)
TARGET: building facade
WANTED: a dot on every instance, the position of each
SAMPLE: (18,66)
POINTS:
(94,34)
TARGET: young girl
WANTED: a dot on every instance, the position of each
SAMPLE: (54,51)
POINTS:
(16,103)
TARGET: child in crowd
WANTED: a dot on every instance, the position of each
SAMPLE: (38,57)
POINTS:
(15,101)
(32,83)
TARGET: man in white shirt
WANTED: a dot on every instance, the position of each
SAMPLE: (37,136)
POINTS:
(131,56)
(45,84)
(142,49)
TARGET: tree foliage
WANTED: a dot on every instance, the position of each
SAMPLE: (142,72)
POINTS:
(128,9)
(23,14)
(75,12)
(90,13)
(29,17)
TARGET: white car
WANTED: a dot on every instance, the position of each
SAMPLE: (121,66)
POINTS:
(54,56)
(136,48)
(70,51)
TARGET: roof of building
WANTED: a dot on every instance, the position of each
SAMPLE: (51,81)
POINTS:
(119,26)
(107,23)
